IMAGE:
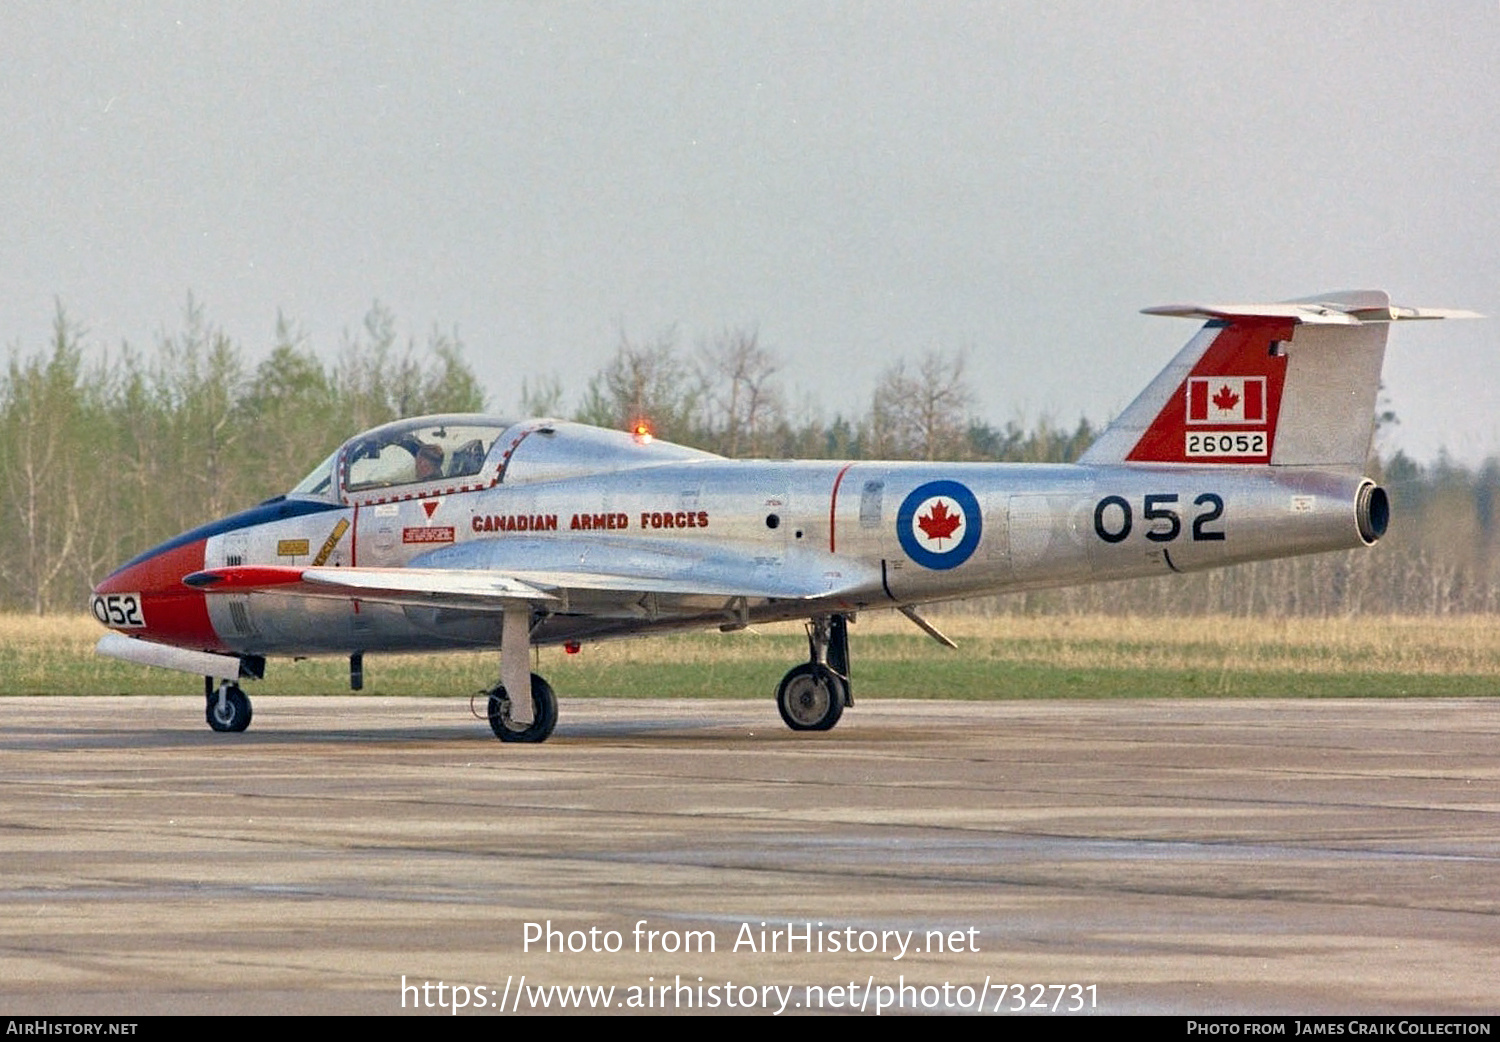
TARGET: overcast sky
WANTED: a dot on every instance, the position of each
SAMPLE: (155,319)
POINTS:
(858,181)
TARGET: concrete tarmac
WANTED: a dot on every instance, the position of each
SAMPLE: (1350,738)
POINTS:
(1107,857)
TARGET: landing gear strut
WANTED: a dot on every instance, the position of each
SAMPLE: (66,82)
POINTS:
(228,707)
(543,713)
(812,696)
(516,720)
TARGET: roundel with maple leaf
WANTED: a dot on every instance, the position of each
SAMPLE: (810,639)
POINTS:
(939,524)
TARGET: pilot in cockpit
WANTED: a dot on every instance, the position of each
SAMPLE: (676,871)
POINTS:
(429,460)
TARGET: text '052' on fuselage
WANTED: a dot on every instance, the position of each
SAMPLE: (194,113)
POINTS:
(462,532)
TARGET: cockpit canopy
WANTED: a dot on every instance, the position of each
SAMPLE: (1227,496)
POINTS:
(428,451)
(421,451)
(432,454)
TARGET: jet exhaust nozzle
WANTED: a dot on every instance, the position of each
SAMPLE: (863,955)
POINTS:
(1372,512)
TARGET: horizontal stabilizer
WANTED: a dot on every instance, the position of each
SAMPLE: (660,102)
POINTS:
(1348,308)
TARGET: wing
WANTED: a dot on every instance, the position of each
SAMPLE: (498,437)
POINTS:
(554,576)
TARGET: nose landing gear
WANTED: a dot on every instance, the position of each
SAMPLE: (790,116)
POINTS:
(228,706)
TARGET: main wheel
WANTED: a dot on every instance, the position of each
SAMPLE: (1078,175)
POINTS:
(811,698)
(232,713)
(543,711)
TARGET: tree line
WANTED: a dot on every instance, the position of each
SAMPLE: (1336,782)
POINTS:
(103,454)
(103,457)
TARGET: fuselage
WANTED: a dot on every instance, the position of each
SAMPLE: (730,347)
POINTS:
(837,536)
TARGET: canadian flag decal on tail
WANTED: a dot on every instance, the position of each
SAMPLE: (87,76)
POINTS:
(1226,409)
(1226,399)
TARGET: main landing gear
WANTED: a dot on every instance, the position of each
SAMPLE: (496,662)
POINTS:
(543,713)
(515,720)
(812,696)
(228,707)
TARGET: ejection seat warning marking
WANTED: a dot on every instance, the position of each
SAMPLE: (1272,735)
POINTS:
(332,541)
(939,524)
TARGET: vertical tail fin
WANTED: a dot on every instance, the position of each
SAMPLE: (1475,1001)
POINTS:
(1288,384)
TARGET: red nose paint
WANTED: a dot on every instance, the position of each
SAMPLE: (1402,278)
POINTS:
(173,613)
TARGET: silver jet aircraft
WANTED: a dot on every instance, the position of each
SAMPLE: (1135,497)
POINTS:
(450,532)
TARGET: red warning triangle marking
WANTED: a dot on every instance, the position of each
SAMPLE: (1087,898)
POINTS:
(430,505)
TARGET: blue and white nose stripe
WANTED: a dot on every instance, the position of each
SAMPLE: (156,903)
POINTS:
(939,524)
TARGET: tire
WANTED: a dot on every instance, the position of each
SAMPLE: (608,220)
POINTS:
(810,698)
(543,708)
(234,715)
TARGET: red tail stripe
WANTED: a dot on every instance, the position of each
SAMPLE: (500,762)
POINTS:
(1254,407)
(1242,351)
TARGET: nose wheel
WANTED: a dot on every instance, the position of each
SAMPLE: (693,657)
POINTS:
(228,708)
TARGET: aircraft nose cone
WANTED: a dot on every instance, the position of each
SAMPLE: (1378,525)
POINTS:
(146,598)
